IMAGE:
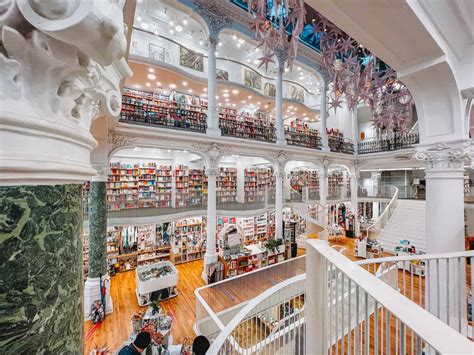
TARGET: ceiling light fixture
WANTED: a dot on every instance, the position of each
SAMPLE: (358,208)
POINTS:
(171,31)
(201,42)
(204,89)
(148,84)
(185,83)
(249,97)
(151,76)
(185,22)
(225,94)
(151,70)
(179,28)
(235,92)
(158,83)
(190,91)
(173,86)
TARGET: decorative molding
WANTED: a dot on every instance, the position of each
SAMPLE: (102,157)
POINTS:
(212,154)
(441,156)
(117,140)
(215,17)
(280,159)
(61,64)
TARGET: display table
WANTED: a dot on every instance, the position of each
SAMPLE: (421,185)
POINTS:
(368,249)
(156,280)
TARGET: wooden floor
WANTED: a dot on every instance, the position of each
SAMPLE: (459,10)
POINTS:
(117,326)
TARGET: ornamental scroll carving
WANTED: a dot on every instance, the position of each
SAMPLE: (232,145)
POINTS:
(56,57)
(443,156)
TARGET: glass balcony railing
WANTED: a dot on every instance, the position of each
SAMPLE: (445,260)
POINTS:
(397,142)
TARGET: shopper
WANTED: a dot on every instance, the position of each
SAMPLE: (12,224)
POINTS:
(200,345)
(141,342)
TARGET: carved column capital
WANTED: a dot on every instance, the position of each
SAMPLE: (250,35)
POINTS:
(279,160)
(61,64)
(102,172)
(216,19)
(442,157)
(117,140)
(212,154)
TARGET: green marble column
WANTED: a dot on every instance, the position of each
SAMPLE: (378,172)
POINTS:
(41,269)
(97,229)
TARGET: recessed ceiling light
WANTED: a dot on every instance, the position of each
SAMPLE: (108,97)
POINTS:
(158,83)
(249,97)
(165,92)
(139,18)
(144,25)
(201,42)
(248,60)
(185,22)
(233,105)
(219,44)
(151,70)
(148,84)
(235,92)
(225,94)
(173,86)
(179,28)
(225,90)
(185,83)
(258,102)
(243,101)
(266,106)
(171,23)
(226,100)
(298,68)
(287,70)
(255,61)
(234,37)
(241,41)
(151,76)
(216,53)
(138,86)
(290,107)
(238,45)
(190,90)
(219,104)
(217,97)
(306,118)
(171,31)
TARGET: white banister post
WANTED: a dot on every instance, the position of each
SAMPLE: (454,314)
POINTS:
(211,256)
(323,115)
(316,315)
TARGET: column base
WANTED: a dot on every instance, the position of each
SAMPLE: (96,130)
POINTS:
(281,141)
(92,294)
(325,149)
(213,132)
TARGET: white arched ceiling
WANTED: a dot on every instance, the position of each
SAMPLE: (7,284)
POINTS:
(398,33)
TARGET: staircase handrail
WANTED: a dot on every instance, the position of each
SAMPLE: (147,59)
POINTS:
(229,328)
(441,337)
(386,214)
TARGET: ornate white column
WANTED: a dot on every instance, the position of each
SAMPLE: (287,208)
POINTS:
(323,115)
(354,179)
(445,225)
(212,114)
(216,20)
(375,177)
(212,153)
(323,189)
(279,162)
(282,56)
(61,65)
(355,129)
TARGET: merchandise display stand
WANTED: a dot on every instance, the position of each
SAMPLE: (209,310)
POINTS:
(368,249)
(417,267)
(156,279)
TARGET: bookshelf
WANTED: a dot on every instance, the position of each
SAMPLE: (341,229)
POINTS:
(123,186)
(226,185)
(300,179)
(197,187)
(245,125)
(335,140)
(181,183)
(188,240)
(335,183)
(164,181)
(251,185)
(176,111)
(299,134)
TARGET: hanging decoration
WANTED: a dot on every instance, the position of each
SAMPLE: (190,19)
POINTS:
(356,74)
(277,25)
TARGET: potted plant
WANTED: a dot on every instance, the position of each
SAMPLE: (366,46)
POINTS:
(273,245)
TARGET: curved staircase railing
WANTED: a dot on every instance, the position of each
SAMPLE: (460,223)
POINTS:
(373,230)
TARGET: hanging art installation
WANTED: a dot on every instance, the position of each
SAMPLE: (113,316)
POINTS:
(355,73)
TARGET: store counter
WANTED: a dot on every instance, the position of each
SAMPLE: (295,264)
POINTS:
(155,281)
